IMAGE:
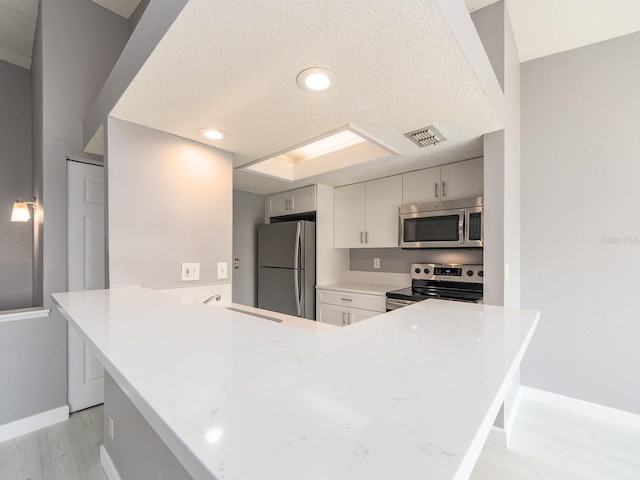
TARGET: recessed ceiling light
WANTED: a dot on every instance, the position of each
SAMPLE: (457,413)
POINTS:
(212,133)
(316,79)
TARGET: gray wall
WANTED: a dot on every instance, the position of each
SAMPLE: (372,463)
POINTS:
(16,239)
(76,44)
(489,23)
(136,449)
(248,213)
(80,43)
(396,260)
(170,201)
(32,366)
(580,222)
(502,164)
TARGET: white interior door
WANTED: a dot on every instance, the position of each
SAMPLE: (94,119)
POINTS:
(85,211)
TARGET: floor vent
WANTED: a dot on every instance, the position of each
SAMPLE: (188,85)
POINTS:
(425,136)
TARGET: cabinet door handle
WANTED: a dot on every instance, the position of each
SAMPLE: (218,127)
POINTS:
(286,204)
(291,202)
(344,321)
(436,191)
(444,192)
(366,237)
(351,318)
(347,299)
(361,236)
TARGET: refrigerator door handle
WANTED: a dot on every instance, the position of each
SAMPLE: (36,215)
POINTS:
(296,269)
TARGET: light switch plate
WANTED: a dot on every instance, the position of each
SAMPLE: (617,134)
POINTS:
(222,270)
(190,271)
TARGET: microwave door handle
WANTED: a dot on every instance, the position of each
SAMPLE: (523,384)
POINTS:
(461,227)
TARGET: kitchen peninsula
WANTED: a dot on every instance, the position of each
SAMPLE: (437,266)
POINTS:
(408,394)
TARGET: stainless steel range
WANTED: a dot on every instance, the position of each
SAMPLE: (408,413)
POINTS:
(446,282)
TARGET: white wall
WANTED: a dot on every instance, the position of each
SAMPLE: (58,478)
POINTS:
(580,221)
(248,213)
(170,201)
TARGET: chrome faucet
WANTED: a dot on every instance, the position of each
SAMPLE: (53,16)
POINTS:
(215,297)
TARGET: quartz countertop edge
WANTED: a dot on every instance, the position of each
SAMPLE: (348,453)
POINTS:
(408,392)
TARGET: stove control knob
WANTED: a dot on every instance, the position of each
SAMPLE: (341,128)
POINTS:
(481,273)
(427,271)
(417,270)
(470,273)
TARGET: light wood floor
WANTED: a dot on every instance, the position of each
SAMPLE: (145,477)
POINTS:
(552,444)
(546,444)
(66,451)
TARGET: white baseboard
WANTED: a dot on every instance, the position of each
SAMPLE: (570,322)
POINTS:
(108,466)
(581,407)
(500,436)
(34,422)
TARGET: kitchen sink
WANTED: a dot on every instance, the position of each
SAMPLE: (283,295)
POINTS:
(239,310)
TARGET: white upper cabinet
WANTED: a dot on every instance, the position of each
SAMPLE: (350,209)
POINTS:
(348,216)
(292,202)
(462,179)
(366,214)
(448,182)
(383,200)
(422,186)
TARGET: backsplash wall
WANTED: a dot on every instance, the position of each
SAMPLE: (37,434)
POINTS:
(397,260)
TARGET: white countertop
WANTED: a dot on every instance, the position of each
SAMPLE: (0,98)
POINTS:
(356,287)
(408,394)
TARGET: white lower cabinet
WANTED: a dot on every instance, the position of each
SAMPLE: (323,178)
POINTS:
(345,308)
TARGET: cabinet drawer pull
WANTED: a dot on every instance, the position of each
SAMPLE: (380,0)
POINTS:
(347,299)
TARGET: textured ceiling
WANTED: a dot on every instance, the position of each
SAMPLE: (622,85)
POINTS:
(17,31)
(545,27)
(399,68)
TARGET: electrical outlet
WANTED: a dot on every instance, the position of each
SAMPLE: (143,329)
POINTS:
(111,427)
(222,270)
(190,271)
(376,263)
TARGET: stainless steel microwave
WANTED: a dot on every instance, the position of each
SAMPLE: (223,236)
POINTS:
(450,224)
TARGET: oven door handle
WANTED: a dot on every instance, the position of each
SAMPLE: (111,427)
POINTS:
(394,303)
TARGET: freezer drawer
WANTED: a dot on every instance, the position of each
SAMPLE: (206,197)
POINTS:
(284,290)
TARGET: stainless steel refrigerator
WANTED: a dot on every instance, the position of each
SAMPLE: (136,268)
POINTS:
(287,268)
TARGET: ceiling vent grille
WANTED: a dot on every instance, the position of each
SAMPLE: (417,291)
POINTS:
(424,137)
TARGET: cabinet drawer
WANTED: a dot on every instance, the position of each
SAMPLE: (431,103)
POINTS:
(377,303)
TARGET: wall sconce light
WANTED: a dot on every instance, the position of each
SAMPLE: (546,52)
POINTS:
(20,212)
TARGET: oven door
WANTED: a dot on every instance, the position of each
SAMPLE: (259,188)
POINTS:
(438,229)
(395,303)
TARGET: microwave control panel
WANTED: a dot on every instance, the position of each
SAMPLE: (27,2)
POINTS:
(475,226)
(451,272)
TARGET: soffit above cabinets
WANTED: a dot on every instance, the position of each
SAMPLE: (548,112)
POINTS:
(124,8)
